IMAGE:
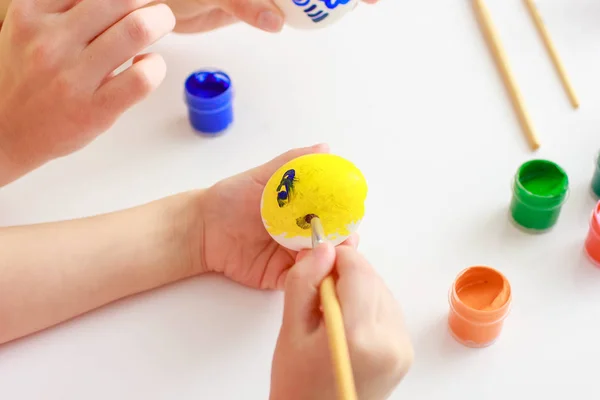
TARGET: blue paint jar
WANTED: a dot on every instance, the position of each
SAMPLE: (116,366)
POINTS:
(209,97)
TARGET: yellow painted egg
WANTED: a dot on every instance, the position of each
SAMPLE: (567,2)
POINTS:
(325,185)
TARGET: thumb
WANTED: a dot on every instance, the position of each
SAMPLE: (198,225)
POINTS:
(301,305)
(263,173)
(262,14)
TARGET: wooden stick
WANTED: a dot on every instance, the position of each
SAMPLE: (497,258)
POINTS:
(495,45)
(558,65)
(334,324)
(338,345)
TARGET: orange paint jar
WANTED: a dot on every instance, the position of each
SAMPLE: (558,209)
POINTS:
(592,242)
(480,300)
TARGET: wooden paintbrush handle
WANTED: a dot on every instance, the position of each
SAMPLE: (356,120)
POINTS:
(338,345)
(502,61)
(552,52)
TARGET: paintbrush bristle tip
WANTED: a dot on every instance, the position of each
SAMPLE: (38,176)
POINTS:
(309,217)
(305,222)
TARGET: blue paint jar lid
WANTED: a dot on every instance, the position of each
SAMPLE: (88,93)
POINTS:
(209,98)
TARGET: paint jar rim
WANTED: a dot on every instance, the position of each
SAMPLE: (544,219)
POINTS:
(534,200)
(208,103)
(475,316)
(209,99)
(536,207)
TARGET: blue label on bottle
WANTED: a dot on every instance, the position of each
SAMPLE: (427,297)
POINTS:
(332,4)
(314,8)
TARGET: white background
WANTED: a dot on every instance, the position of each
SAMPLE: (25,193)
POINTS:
(408,91)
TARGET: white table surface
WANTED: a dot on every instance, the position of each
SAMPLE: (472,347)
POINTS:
(409,92)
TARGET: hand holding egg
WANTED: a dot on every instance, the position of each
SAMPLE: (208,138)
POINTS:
(323,185)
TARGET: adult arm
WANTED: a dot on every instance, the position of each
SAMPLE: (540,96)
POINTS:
(52,272)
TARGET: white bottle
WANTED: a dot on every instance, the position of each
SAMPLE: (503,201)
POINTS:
(314,14)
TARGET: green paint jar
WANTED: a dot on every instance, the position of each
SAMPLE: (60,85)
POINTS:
(539,191)
(596,178)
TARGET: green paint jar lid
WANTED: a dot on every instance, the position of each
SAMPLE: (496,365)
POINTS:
(541,184)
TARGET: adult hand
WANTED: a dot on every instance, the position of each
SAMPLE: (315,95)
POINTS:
(233,240)
(206,15)
(380,349)
(57,82)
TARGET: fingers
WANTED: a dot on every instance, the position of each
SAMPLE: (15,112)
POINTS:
(357,285)
(125,39)
(89,18)
(295,153)
(48,6)
(350,262)
(262,173)
(212,20)
(262,14)
(122,91)
(352,241)
(301,304)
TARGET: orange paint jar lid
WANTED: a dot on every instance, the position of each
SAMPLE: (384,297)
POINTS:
(480,299)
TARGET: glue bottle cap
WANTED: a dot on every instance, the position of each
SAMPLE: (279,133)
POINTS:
(209,97)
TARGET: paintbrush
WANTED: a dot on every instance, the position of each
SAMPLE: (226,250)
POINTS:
(334,323)
(493,41)
(552,52)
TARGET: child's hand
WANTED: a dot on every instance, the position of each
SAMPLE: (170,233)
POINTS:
(380,349)
(228,235)
(57,86)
